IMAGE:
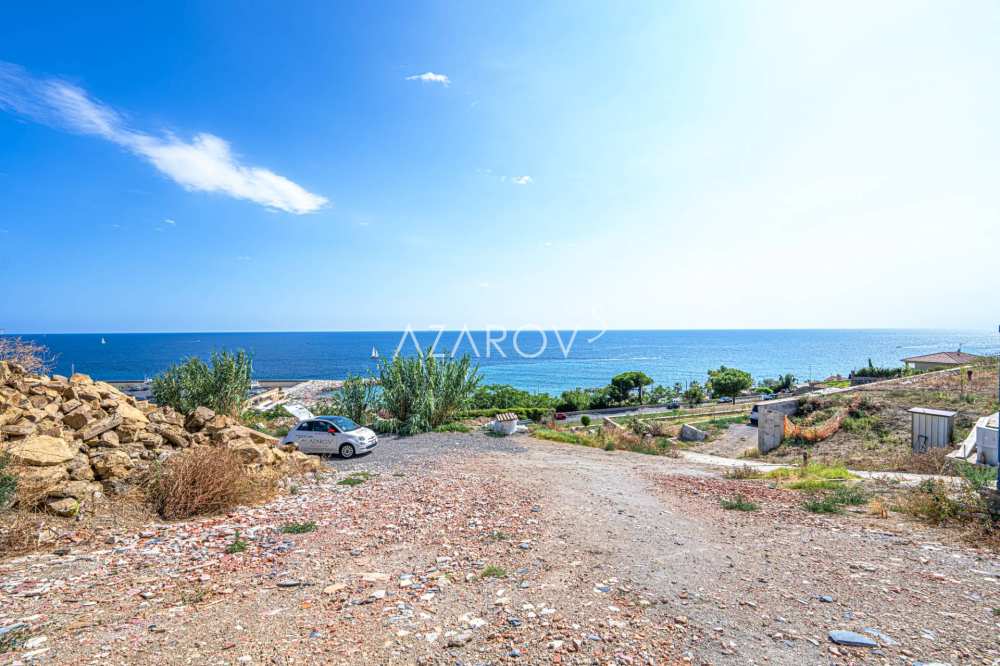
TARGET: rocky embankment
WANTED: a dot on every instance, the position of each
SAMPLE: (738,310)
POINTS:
(70,438)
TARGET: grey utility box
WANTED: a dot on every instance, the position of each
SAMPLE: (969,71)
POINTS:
(932,428)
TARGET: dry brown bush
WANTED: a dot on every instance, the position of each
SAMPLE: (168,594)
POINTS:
(31,356)
(934,461)
(743,472)
(202,481)
(18,533)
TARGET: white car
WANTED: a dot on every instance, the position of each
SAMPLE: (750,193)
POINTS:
(327,435)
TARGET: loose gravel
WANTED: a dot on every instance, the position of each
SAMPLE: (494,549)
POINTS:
(463,548)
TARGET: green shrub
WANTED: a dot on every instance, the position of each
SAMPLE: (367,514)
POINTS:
(452,427)
(814,484)
(493,572)
(851,495)
(931,500)
(356,398)
(812,470)
(874,372)
(351,481)
(505,398)
(422,392)
(299,528)
(978,476)
(558,436)
(8,483)
(738,503)
(821,504)
(223,386)
(238,545)
(585,420)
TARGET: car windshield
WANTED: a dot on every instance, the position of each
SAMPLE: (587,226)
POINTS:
(343,423)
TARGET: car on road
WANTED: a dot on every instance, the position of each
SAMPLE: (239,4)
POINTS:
(674,404)
(560,416)
(329,435)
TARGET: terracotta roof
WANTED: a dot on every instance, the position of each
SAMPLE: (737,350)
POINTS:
(950,358)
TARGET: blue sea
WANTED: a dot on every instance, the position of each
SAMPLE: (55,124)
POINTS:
(533,360)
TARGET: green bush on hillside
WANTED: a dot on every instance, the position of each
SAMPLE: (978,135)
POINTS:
(223,386)
(422,392)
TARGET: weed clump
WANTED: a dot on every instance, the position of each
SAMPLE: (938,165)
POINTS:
(743,472)
(821,504)
(493,572)
(238,545)
(354,479)
(299,528)
(738,503)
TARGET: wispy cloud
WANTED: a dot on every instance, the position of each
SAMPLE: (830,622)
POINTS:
(430,77)
(516,180)
(169,221)
(203,164)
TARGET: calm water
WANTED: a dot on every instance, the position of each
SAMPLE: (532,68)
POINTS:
(667,356)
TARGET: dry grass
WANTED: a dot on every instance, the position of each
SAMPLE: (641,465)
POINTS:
(203,481)
(18,533)
(28,495)
(878,508)
(743,472)
(876,435)
(934,461)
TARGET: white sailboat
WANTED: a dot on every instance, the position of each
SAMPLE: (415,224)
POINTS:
(374,353)
(103,341)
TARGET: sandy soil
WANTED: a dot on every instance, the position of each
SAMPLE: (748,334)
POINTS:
(599,557)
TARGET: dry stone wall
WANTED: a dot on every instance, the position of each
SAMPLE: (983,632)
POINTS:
(68,438)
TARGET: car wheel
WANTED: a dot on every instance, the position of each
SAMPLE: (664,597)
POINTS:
(347,451)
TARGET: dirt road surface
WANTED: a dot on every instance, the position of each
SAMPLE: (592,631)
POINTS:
(467,549)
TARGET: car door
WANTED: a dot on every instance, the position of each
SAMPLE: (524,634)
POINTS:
(326,437)
(303,437)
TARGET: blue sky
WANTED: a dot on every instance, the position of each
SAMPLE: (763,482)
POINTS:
(318,166)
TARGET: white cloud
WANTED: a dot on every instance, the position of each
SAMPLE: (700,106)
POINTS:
(522,180)
(430,77)
(169,221)
(204,164)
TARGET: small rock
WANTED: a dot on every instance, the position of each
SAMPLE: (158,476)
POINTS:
(882,638)
(35,642)
(851,638)
(460,639)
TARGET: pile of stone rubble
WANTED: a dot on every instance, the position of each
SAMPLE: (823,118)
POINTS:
(69,438)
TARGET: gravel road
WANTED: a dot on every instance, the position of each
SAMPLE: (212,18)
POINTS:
(464,548)
(397,454)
